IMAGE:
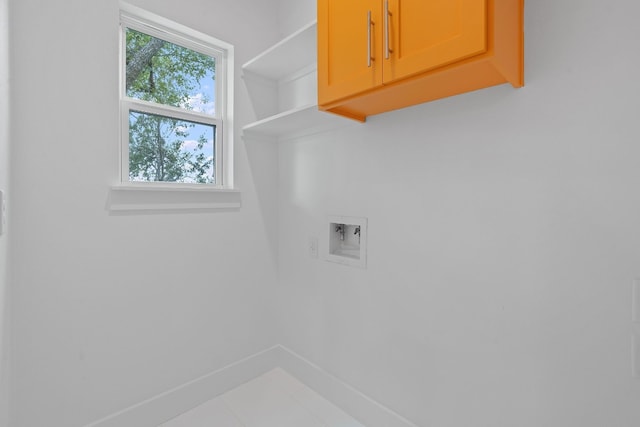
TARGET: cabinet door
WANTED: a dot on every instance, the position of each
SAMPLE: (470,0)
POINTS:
(346,37)
(426,34)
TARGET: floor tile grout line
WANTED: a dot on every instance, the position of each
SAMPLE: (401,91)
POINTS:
(307,409)
(233,413)
(275,384)
(292,396)
(278,382)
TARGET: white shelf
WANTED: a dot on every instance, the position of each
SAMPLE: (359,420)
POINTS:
(296,122)
(282,84)
(292,53)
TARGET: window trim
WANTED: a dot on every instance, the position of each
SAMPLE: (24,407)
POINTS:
(157,26)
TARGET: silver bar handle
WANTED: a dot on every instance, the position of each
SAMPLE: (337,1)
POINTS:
(369,24)
(387,14)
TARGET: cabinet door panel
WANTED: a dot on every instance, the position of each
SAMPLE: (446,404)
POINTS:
(343,68)
(426,34)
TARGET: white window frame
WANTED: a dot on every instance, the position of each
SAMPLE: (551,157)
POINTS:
(140,20)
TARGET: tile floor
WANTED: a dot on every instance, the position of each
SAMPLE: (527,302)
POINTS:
(275,399)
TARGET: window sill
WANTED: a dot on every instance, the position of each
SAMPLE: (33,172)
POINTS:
(153,197)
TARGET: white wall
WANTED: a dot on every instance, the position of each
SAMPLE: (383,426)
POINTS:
(111,310)
(293,14)
(4,185)
(504,234)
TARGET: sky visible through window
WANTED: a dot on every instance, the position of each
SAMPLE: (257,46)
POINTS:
(162,148)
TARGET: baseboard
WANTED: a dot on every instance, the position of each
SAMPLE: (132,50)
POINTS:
(349,399)
(158,409)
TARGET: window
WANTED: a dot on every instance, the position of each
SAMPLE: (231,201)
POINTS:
(175,101)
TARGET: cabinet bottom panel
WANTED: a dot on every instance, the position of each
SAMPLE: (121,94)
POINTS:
(458,80)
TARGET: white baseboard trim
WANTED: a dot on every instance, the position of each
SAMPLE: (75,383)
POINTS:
(355,403)
(161,408)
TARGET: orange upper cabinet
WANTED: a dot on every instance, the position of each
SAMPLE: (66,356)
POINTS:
(348,34)
(380,55)
(424,34)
